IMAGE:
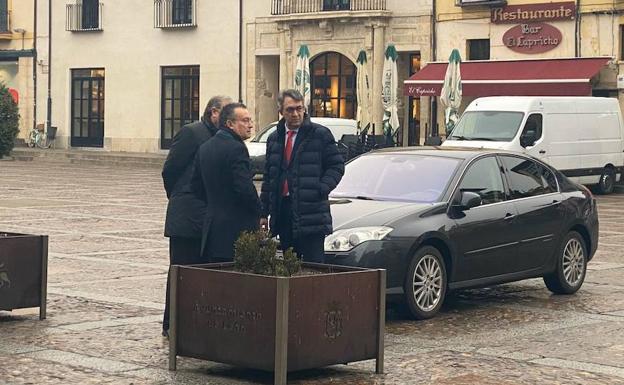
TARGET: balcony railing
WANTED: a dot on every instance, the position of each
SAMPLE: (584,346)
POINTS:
(175,13)
(5,21)
(84,16)
(286,7)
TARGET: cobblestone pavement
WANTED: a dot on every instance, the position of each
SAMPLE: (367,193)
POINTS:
(107,269)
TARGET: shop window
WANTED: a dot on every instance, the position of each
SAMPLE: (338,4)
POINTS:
(413,135)
(179,100)
(333,86)
(478,49)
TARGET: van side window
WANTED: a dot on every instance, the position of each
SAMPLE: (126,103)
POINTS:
(528,178)
(532,131)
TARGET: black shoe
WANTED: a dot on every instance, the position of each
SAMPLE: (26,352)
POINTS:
(165,333)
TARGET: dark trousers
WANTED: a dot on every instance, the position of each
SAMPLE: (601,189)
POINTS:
(309,248)
(182,251)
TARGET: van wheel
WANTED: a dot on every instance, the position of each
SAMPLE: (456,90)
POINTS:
(607,181)
(571,265)
(425,284)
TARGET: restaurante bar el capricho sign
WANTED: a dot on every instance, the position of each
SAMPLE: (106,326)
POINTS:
(526,13)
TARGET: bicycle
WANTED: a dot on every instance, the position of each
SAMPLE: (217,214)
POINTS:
(40,139)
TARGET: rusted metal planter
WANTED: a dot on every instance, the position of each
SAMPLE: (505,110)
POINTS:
(23,271)
(274,323)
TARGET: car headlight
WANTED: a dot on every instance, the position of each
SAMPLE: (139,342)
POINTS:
(347,239)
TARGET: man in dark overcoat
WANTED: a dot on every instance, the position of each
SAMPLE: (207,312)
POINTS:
(185,213)
(303,165)
(224,178)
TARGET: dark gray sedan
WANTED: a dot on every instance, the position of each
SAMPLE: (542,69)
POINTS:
(440,219)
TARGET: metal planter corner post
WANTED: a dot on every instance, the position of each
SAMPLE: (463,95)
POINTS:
(23,271)
(173,316)
(278,324)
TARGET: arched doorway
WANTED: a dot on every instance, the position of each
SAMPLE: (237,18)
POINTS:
(333,86)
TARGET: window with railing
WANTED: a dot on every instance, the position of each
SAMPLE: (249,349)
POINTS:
(286,7)
(175,13)
(4,17)
(84,15)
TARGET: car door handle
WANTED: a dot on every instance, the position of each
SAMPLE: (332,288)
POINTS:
(509,216)
(542,151)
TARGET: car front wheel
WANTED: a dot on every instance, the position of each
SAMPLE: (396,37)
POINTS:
(425,284)
(571,265)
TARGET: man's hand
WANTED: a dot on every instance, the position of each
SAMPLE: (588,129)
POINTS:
(264,224)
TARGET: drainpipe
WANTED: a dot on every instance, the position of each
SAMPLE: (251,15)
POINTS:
(240,51)
(434,106)
(49,114)
(34,72)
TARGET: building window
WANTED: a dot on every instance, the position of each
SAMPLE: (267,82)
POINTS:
(179,101)
(621,42)
(478,49)
(333,86)
(174,13)
(336,5)
(87,108)
(85,15)
(4,16)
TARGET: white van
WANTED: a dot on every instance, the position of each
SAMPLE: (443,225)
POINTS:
(581,136)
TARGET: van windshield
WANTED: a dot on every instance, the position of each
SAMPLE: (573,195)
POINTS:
(497,126)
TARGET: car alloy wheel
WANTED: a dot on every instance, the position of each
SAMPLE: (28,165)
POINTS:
(573,262)
(425,286)
(571,265)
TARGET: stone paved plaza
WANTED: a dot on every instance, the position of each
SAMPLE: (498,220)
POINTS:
(107,270)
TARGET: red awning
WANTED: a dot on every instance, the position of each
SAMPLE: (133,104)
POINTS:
(540,77)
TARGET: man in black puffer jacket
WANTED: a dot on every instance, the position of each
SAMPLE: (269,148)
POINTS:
(303,165)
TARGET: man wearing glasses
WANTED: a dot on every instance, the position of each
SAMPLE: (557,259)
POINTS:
(303,165)
(185,213)
(223,178)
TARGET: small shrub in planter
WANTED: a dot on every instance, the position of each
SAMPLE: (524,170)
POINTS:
(256,253)
(274,316)
(9,121)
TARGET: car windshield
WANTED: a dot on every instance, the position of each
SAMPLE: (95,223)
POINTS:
(263,135)
(397,177)
(497,126)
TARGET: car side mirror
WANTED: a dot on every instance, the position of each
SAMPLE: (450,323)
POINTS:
(468,200)
(528,138)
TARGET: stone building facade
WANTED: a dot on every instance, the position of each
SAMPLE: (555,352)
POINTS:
(17,56)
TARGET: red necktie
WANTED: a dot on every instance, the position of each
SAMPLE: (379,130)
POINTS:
(287,154)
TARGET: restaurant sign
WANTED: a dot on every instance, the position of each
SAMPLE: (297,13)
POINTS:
(530,13)
(532,38)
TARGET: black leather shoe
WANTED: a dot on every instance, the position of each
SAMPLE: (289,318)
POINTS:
(165,333)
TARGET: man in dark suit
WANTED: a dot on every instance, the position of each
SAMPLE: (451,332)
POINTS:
(223,177)
(303,165)
(185,213)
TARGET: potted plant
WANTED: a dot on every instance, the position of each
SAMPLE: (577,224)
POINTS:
(274,313)
(23,271)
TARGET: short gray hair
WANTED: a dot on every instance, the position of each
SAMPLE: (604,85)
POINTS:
(291,93)
(215,102)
